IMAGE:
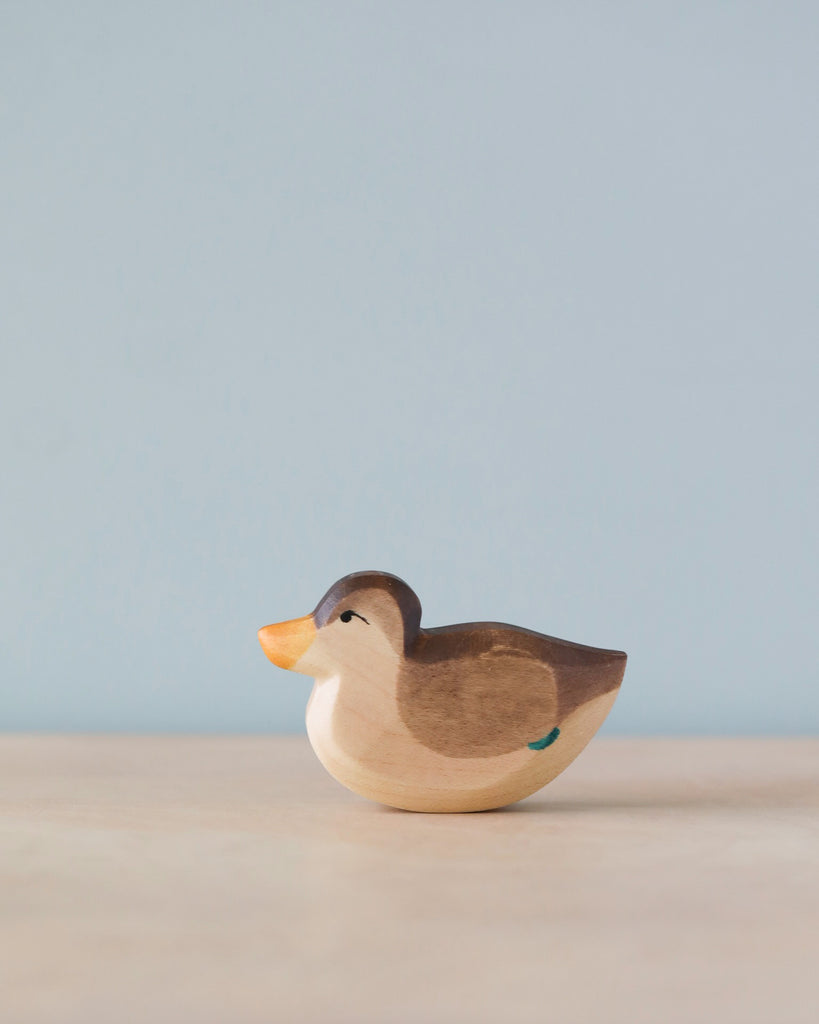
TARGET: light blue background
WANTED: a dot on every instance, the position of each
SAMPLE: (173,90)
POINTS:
(516,300)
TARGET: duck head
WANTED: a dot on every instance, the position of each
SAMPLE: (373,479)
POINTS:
(362,621)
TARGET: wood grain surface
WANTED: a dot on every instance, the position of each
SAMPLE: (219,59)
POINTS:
(209,880)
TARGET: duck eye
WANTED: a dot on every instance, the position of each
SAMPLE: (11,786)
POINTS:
(346,616)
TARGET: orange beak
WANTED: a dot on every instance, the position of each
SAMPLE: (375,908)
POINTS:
(285,642)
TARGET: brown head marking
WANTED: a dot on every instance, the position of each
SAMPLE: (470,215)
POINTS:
(341,594)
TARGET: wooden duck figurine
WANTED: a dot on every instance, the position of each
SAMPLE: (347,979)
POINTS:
(460,718)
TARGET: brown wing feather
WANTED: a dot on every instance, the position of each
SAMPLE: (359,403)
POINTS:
(483,689)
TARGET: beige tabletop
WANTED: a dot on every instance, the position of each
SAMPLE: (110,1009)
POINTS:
(212,879)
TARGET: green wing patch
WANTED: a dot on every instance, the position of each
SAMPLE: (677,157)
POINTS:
(546,741)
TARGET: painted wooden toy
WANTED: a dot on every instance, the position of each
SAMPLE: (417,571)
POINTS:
(460,718)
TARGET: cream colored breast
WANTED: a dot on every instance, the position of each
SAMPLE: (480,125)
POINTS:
(357,734)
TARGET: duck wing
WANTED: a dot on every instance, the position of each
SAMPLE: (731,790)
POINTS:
(488,688)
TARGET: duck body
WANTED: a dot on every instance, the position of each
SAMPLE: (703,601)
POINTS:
(460,718)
